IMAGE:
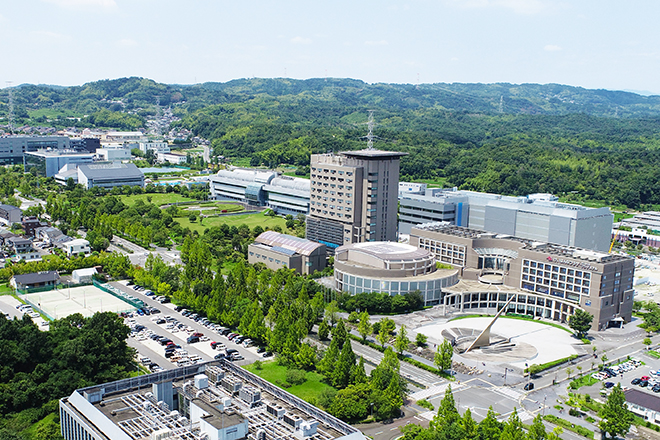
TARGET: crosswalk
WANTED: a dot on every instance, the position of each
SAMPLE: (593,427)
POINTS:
(508,392)
(434,391)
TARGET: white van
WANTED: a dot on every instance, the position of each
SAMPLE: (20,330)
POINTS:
(247,343)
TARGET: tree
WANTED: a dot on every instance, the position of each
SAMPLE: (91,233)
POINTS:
(340,334)
(537,430)
(616,417)
(192,217)
(306,357)
(364,326)
(383,336)
(401,342)
(569,371)
(332,312)
(341,374)
(647,342)
(513,428)
(421,339)
(443,355)
(581,322)
(324,330)
(489,428)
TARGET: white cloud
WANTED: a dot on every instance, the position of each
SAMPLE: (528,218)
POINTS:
(301,40)
(79,4)
(551,48)
(127,42)
(376,43)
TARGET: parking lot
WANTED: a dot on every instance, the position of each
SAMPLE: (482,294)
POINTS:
(173,326)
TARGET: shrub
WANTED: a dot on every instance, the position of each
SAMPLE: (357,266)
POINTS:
(258,365)
(425,404)
(295,377)
(574,412)
(353,317)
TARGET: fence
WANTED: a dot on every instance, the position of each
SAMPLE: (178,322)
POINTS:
(37,308)
(119,294)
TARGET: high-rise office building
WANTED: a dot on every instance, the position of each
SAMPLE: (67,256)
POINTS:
(353,197)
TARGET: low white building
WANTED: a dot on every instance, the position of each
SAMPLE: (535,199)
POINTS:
(110,152)
(156,147)
(80,276)
(75,247)
(645,405)
(175,159)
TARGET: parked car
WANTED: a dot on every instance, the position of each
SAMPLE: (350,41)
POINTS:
(192,339)
(609,384)
(636,381)
(261,349)
(267,354)
(529,386)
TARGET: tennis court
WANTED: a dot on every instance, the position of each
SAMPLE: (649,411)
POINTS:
(86,300)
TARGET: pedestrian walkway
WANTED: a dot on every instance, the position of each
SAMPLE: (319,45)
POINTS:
(508,392)
(434,391)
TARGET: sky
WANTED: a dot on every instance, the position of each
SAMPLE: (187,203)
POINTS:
(593,44)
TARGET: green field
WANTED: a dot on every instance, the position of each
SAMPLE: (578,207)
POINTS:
(276,374)
(251,220)
(156,198)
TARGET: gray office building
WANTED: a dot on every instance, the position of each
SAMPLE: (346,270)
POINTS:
(49,162)
(353,197)
(537,217)
(12,148)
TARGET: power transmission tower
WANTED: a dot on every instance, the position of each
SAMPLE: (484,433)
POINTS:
(501,103)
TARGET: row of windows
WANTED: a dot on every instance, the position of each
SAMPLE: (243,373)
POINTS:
(332,199)
(558,269)
(271,259)
(555,276)
(331,171)
(325,205)
(332,213)
(330,185)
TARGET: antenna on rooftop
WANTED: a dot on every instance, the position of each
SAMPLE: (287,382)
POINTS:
(11,108)
(370,135)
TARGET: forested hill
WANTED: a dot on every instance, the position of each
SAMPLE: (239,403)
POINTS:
(512,139)
(548,99)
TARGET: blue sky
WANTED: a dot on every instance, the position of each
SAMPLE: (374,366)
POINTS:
(593,44)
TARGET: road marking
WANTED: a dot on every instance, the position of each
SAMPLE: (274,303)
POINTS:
(378,433)
(395,428)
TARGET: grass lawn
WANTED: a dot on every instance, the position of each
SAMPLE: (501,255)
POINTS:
(156,198)
(583,381)
(5,289)
(251,220)
(276,374)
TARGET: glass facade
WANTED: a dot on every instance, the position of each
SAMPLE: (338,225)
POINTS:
(431,290)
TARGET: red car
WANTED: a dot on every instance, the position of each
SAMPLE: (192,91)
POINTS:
(199,335)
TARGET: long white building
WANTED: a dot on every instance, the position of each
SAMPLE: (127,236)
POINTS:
(283,194)
(538,217)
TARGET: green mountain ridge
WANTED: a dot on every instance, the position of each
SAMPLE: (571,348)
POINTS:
(505,98)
